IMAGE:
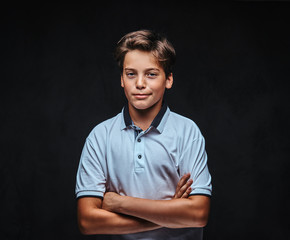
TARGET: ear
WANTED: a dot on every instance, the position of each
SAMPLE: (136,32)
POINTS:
(169,81)
(122,81)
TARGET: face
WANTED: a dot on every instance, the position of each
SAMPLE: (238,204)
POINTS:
(144,80)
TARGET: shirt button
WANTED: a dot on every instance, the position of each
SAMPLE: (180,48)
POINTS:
(139,156)
(139,140)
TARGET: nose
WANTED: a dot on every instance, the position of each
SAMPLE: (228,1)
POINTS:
(140,82)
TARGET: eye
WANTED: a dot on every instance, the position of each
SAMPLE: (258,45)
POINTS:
(152,75)
(130,74)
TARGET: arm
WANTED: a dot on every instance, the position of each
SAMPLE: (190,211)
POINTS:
(93,219)
(174,213)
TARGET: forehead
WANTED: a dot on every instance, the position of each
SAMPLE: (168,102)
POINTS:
(140,60)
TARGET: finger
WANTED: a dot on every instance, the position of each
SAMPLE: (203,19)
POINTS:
(182,181)
(184,188)
(180,184)
(187,192)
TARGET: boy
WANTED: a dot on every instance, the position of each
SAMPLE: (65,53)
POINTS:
(133,180)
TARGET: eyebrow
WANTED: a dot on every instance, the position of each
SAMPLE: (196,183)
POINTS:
(147,69)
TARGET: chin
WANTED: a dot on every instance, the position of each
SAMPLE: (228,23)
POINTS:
(141,106)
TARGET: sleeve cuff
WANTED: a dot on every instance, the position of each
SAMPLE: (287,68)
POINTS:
(89,194)
(199,191)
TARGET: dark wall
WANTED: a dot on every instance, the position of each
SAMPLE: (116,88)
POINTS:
(59,79)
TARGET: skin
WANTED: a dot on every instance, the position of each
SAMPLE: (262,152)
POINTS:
(95,218)
(144,82)
(175,213)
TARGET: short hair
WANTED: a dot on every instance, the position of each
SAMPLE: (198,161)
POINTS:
(149,41)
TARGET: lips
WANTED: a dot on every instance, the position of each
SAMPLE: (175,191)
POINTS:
(141,95)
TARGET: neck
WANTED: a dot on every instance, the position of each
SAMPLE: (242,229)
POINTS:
(144,117)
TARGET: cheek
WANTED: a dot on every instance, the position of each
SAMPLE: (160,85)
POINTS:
(158,87)
(126,89)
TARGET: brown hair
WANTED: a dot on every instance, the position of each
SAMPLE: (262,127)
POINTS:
(149,41)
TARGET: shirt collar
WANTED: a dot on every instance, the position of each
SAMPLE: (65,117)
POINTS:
(156,123)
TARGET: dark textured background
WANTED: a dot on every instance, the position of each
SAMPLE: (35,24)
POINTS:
(59,79)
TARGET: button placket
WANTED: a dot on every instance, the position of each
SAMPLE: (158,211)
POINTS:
(139,153)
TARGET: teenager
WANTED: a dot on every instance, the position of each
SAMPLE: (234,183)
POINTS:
(143,174)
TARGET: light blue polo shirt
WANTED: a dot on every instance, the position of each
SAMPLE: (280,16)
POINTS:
(120,157)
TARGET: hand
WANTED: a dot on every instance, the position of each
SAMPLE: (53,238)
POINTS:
(110,201)
(183,188)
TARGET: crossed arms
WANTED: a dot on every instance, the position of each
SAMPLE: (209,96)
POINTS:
(117,214)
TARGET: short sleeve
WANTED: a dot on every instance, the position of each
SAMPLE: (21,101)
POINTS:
(194,160)
(90,179)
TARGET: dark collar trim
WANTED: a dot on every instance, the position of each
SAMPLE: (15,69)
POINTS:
(159,116)
(155,122)
(127,118)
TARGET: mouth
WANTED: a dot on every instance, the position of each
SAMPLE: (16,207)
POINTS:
(141,96)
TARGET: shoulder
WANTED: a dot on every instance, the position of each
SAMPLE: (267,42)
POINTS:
(184,126)
(102,129)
